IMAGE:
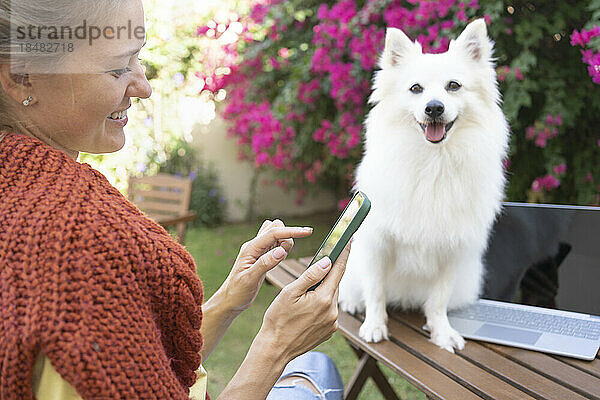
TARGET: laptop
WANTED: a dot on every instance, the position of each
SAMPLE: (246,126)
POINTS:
(542,288)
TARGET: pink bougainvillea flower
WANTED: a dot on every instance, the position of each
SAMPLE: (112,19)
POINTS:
(307,92)
(546,182)
(317,166)
(284,52)
(261,159)
(518,74)
(530,133)
(259,12)
(274,63)
(502,72)
(589,177)
(310,176)
(586,36)
(540,141)
(558,119)
(552,182)
(462,16)
(576,39)
(560,169)
(447,24)
(319,135)
(322,134)
(322,12)
(353,141)
(278,161)
(201,30)
(590,57)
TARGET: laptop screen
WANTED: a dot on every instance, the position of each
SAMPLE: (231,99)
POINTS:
(545,255)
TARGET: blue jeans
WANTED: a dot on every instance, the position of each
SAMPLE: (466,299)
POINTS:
(319,370)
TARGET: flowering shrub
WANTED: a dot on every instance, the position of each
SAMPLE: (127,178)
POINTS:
(299,77)
(590,57)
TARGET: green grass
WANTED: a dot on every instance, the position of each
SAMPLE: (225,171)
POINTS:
(214,251)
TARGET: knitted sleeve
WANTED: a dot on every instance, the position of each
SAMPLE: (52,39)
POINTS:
(125,307)
(104,292)
(106,334)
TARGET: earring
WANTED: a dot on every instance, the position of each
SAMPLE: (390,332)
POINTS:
(27,101)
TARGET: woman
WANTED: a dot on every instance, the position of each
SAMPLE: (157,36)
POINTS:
(96,300)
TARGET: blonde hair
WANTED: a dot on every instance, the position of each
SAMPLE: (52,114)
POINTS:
(38,13)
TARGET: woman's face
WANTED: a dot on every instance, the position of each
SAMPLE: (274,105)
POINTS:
(72,108)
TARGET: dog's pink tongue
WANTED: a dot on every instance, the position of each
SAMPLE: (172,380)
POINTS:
(435,132)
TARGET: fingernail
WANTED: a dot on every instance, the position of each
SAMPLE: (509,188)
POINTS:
(324,262)
(279,252)
(308,228)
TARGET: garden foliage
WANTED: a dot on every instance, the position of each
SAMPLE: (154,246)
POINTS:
(299,76)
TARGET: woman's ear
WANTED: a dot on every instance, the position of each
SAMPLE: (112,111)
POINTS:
(16,86)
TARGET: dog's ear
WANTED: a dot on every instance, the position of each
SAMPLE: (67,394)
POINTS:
(474,41)
(397,47)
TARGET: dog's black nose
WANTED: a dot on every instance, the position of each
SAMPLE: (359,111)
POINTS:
(434,108)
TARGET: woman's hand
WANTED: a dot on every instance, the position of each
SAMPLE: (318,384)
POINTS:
(297,320)
(256,257)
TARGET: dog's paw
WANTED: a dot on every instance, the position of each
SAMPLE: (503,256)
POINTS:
(448,339)
(350,306)
(373,332)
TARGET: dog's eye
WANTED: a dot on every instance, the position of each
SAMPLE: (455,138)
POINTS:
(416,88)
(453,86)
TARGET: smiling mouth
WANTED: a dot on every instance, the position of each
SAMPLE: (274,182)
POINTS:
(118,115)
(435,131)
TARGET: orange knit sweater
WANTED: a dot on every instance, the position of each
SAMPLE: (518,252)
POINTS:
(103,291)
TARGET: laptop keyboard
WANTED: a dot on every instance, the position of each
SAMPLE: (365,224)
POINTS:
(566,326)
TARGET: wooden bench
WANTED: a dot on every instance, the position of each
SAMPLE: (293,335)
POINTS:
(165,199)
(480,371)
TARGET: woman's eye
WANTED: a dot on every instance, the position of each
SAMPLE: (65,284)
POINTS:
(416,88)
(453,86)
(121,71)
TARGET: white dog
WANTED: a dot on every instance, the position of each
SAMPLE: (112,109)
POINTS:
(432,168)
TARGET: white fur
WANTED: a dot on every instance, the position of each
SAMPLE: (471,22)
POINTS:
(432,204)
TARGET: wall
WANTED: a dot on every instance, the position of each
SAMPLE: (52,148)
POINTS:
(235,177)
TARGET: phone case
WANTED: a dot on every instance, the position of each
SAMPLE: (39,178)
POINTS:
(352,228)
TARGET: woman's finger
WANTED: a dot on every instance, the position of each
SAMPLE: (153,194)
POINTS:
(332,280)
(265,225)
(287,244)
(268,261)
(277,222)
(274,236)
(313,274)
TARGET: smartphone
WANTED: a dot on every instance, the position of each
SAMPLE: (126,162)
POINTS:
(351,218)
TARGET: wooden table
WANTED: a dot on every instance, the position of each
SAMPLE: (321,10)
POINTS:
(480,371)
